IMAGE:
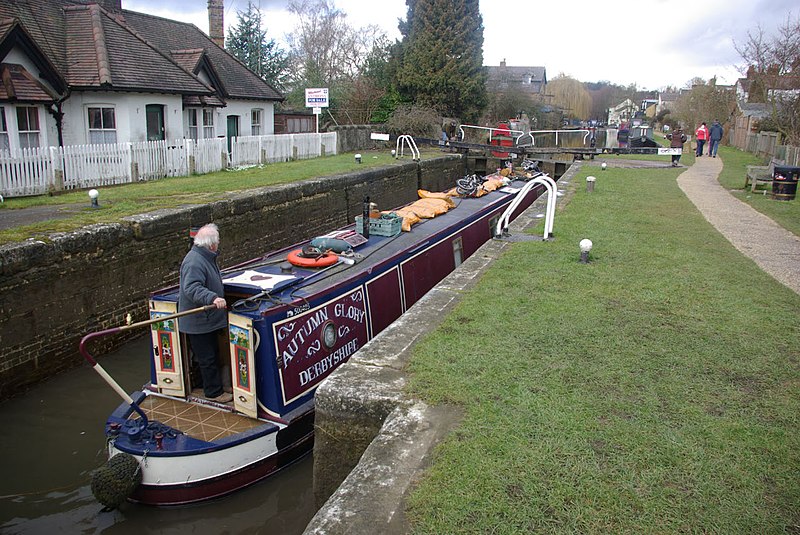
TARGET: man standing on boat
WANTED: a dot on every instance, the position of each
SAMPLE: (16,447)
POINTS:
(201,285)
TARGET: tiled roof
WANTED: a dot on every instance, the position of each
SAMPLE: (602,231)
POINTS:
(238,81)
(516,74)
(188,59)
(753,109)
(202,101)
(44,21)
(128,51)
(16,83)
(101,51)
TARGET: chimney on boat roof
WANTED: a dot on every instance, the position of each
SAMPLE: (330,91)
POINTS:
(216,28)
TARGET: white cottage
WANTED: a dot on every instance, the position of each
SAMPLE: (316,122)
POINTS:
(75,72)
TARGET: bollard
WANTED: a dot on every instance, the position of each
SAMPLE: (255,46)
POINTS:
(590,184)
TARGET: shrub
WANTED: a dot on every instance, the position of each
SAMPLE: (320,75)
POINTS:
(415,121)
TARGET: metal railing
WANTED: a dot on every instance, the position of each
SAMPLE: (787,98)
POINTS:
(556,132)
(404,140)
(550,211)
(491,131)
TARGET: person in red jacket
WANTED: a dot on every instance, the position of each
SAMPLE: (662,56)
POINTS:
(701,134)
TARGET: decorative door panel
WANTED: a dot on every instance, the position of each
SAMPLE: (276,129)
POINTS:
(167,354)
(243,378)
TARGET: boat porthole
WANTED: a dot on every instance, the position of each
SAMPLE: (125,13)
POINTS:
(329,335)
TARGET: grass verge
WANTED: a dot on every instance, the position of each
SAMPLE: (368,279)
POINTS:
(120,201)
(653,390)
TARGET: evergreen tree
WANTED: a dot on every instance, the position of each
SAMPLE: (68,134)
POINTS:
(442,57)
(248,42)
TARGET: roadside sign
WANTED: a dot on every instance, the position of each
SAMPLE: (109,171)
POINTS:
(317,97)
(379,137)
(317,111)
(669,151)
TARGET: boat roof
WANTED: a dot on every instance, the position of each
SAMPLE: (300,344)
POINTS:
(290,289)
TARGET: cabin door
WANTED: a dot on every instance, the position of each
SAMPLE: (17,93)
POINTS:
(167,355)
(243,349)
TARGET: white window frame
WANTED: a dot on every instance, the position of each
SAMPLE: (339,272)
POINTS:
(208,123)
(256,120)
(105,134)
(4,141)
(28,134)
(192,125)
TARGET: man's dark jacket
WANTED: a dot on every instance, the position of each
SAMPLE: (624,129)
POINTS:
(201,283)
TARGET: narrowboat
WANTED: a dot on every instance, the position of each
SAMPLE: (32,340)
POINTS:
(289,326)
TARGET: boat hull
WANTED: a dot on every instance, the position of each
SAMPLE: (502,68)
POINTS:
(179,477)
(281,348)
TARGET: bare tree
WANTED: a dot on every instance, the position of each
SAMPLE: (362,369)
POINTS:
(704,102)
(777,54)
(772,64)
(324,46)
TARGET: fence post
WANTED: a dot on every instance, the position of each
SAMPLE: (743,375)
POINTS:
(56,173)
(133,165)
(191,167)
(224,154)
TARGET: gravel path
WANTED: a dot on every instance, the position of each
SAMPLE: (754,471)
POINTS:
(773,248)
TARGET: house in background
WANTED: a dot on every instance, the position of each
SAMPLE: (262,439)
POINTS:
(75,72)
(529,80)
(758,96)
(622,112)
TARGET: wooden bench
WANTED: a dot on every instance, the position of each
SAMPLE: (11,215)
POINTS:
(760,175)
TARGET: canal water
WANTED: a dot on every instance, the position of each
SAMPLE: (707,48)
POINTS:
(51,438)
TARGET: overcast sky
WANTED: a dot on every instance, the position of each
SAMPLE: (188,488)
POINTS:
(652,43)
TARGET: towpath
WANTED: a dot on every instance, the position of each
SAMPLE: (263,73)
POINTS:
(773,248)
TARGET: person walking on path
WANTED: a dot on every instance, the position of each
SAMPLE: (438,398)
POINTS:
(773,248)
(677,139)
(701,134)
(714,137)
(201,285)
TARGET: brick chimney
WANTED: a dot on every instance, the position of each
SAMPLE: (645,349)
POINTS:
(216,27)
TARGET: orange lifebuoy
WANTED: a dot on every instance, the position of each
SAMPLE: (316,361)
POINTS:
(324,260)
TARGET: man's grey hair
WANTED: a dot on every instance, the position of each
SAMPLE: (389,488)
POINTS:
(207,236)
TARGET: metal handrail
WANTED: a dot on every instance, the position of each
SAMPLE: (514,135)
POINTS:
(556,132)
(114,330)
(490,129)
(550,186)
(412,146)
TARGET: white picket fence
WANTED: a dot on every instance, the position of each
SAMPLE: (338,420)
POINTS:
(255,150)
(41,170)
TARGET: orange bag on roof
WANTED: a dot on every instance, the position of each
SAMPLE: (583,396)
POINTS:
(422,210)
(492,184)
(423,194)
(410,218)
(439,206)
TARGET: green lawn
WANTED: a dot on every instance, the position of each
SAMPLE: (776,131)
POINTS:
(131,199)
(654,390)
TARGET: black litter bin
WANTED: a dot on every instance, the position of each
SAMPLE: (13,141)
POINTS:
(784,182)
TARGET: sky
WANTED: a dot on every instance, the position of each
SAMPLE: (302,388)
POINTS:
(650,43)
